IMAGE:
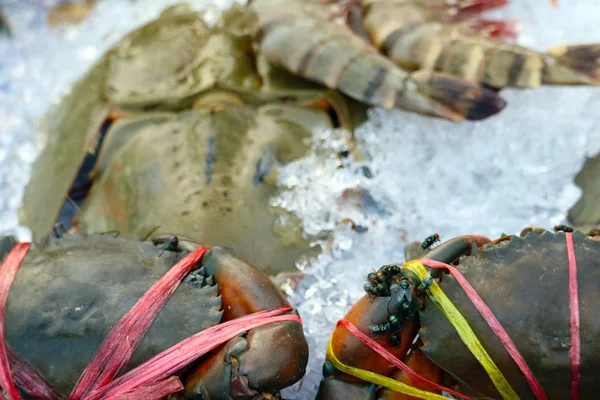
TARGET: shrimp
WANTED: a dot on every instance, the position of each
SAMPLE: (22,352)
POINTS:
(451,38)
(302,38)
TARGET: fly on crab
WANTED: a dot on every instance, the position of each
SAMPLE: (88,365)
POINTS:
(513,318)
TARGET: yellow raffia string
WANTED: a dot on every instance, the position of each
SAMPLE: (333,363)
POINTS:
(377,379)
(465,332)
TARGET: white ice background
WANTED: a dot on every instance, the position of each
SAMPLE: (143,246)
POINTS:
(500,175)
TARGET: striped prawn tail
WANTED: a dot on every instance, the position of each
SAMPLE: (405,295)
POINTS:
(307,44)
(573,65)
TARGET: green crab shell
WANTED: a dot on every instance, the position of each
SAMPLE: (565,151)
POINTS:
(68,294)
(174,58)
(525,282)
(199,173)
(162,65)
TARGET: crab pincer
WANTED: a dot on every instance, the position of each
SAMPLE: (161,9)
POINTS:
(245,366)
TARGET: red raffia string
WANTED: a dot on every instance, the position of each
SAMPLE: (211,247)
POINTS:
(29,380)
(575,349)
(493,322)
(395,360)
(151,380)
(24,375)
(8,271)
(116,350)
(173,359)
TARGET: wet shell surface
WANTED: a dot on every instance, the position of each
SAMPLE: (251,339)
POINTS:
(525,283)
(69,293)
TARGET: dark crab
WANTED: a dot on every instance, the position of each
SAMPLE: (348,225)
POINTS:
(69,292)
(523,279)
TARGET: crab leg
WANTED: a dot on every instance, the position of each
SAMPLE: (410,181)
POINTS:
(326,53)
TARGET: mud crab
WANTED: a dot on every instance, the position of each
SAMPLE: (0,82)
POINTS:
(69,292)
(523,279)
(183,125)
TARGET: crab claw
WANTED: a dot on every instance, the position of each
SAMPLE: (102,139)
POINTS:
(353,352)
(248,366)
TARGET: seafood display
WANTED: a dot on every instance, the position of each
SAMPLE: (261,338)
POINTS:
(524,280)
(185,132)
(70,291)
(225,121)
(159,114)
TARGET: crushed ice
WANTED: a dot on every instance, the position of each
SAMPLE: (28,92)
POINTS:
(421,175)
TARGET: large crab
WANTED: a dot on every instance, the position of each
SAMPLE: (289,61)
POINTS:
(180,134)
(70,291)
(524,280)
